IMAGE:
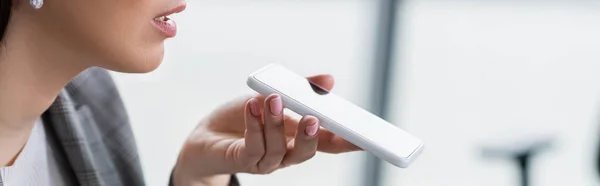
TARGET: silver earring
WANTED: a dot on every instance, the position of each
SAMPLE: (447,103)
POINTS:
(37,4)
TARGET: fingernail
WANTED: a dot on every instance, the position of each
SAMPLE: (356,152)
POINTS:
(311,130)
(276,106)
(254,107)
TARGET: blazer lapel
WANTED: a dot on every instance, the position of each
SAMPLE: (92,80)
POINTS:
(88,121)
(67,124)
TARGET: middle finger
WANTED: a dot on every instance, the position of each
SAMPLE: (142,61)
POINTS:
(274,131)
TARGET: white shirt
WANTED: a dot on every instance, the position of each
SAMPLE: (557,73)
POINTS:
(38,164)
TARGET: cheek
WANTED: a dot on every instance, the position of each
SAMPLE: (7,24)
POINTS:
(121,39)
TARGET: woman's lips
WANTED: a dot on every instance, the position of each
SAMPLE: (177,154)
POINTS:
(166,25)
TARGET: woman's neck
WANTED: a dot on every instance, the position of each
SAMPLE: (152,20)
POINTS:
(33,70)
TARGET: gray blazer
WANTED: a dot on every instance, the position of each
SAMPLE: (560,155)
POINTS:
(90,123)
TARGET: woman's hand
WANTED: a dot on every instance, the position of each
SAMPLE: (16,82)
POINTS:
(253,135)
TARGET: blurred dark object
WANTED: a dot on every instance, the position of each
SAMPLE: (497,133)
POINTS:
(521,152)
(598,158)
(383,74)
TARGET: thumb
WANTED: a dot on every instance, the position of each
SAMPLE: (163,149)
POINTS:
(324,81)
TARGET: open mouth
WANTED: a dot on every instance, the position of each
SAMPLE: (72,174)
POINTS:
(165,24)
(163,19)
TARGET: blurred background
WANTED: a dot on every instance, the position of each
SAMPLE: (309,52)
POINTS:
(486,84)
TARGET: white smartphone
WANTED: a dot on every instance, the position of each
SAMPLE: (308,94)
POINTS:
(343,118)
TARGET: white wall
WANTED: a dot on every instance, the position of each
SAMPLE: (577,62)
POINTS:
(472,72)
(219,43)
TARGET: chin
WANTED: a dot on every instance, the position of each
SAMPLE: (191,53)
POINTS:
(147,67)
(144,62)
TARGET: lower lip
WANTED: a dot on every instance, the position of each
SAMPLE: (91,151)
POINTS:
(168,29)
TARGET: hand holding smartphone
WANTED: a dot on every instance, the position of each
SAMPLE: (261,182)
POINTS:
(338,115)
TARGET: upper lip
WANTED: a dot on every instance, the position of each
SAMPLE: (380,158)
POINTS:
(177,9)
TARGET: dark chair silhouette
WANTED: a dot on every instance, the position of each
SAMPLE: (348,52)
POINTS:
(520,152)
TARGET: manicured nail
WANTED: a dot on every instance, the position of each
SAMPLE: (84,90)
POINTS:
(276,106)
(254,107)
(311,129)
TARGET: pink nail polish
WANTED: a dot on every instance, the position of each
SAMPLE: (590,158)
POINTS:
(276,106)
(311,130)
(254,108)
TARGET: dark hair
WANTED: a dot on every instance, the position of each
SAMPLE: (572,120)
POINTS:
(5,9)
